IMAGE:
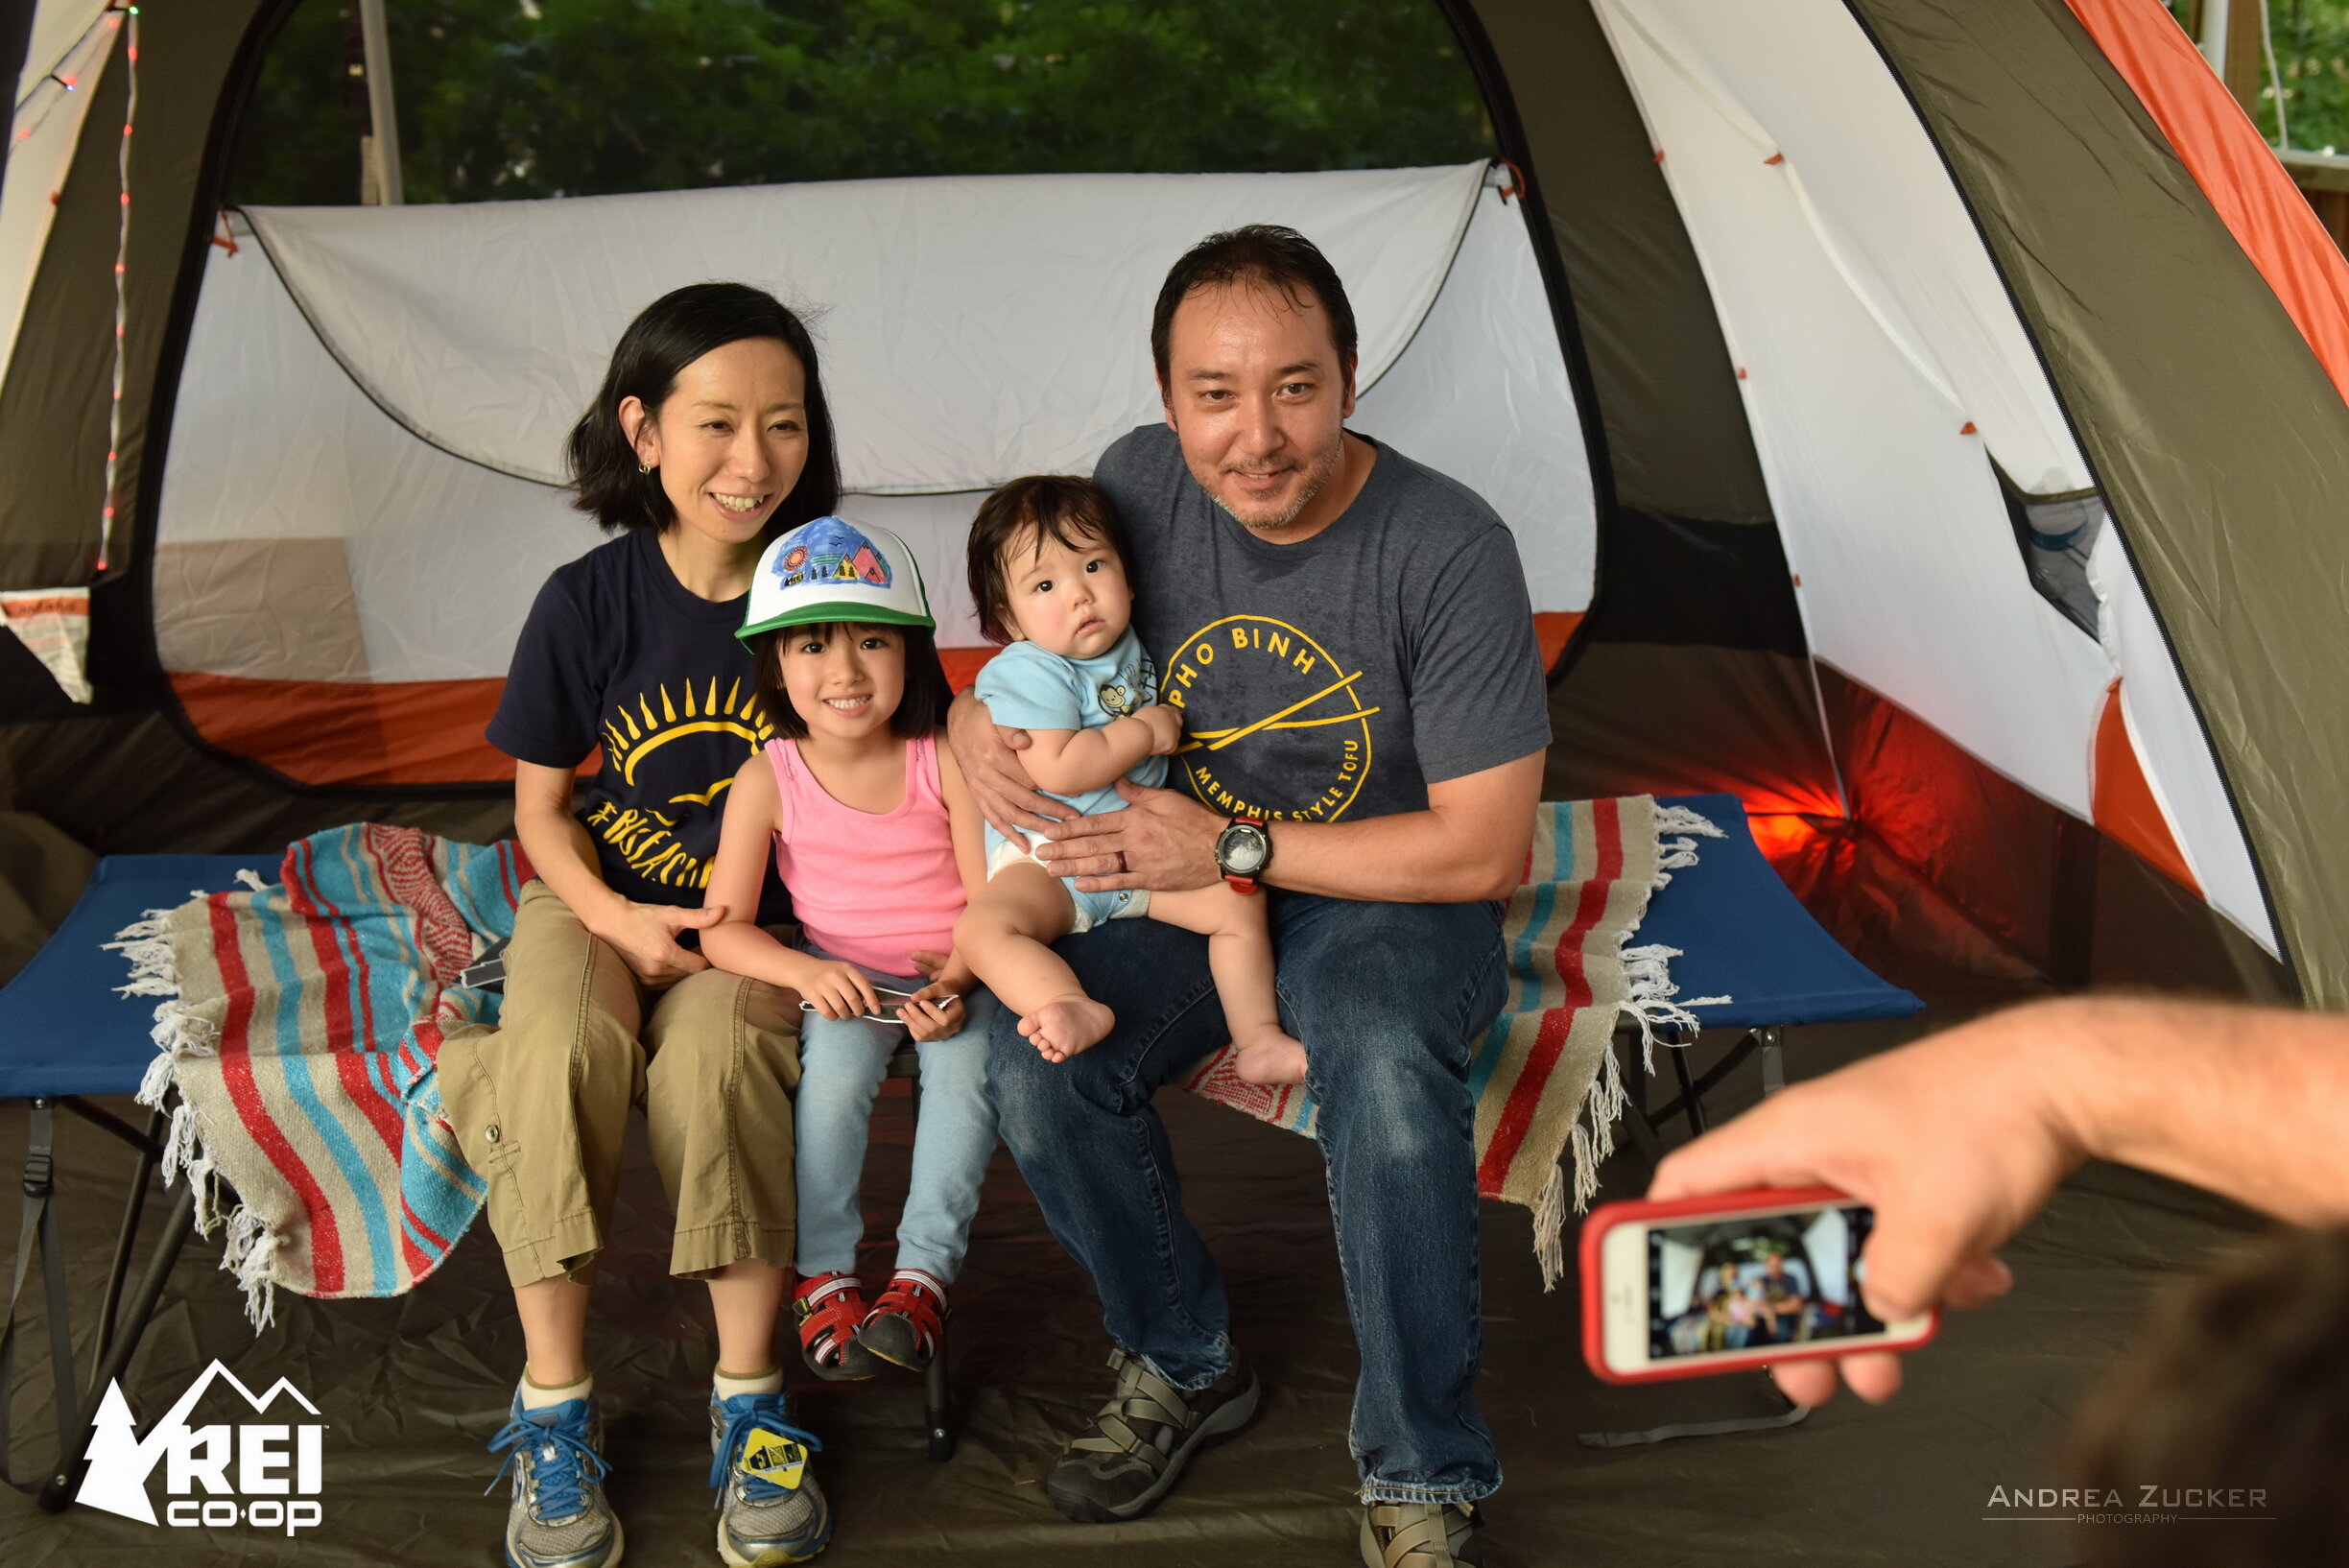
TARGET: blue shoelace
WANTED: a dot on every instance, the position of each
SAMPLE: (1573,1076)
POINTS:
(744,1411)
(566,1465)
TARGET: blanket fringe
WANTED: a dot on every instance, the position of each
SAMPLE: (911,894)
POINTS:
(1654,1003)
(251,1249)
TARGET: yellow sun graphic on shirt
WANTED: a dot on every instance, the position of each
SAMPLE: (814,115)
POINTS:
(634,736)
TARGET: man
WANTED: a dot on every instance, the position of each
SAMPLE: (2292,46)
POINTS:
(1348,637)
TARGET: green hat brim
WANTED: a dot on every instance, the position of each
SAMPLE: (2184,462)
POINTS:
(838,609)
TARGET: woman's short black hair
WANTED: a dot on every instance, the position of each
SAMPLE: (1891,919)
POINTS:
(1074,510)
(667,336)
(920,711)
(1278,258)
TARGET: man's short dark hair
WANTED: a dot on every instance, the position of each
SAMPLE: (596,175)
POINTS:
(1266,254)
(1068,508)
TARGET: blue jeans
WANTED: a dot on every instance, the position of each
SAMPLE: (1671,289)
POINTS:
(841,1064)
(1387,998)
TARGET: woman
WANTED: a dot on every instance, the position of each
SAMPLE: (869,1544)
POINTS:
(708,438)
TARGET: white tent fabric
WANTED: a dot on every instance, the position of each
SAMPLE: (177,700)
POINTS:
(65,59)
(2177,756)
(426,562)
(979,330)
(1891,514)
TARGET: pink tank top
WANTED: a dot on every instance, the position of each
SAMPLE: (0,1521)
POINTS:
(868,888)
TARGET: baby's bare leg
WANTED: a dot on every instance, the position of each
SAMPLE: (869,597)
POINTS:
(1240,957)
(1003,936)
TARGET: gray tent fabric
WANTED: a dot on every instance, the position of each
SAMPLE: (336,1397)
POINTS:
(2221,445)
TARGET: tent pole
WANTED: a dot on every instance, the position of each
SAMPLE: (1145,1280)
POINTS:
(383,145)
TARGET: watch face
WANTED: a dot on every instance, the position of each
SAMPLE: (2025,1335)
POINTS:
(1242,849)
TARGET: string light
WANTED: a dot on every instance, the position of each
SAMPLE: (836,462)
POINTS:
(121,295)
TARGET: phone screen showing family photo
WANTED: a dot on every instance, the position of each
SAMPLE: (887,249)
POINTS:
(1748,1283)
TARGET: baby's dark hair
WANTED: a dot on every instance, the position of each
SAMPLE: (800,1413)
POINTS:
(667,335)
(1072,511)
(920,711)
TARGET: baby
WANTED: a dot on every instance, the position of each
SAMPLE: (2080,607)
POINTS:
(1051,576)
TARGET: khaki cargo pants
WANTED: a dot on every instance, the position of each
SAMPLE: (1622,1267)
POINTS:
(539,1103)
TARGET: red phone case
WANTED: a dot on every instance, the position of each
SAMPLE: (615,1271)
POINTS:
(1608,1215)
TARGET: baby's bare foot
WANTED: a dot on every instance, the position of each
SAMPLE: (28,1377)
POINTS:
(1066,1024)
(1271,1058)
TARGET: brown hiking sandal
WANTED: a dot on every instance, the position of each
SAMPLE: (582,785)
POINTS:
(1421,1536)
(1140,1440)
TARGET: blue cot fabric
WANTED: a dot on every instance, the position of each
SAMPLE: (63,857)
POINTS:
(1744,935)
(63,1028)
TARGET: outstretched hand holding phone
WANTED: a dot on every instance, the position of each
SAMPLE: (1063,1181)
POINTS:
(1957,1140)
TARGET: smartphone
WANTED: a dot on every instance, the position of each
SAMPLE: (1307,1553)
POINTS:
(889,998)
(1727,1281)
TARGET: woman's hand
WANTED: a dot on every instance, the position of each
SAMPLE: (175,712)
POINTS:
(838,989)
(988,754)
(645,936)
(1165,727)
(934,1012)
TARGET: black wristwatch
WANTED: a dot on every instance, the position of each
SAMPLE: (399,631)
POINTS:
(1243,850)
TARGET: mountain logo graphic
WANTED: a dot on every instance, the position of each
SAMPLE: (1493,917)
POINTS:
(276,1463)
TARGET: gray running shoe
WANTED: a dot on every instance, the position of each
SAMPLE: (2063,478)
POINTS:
(770,1509)
(1141,1439)
(558,1517)
(1422,1536)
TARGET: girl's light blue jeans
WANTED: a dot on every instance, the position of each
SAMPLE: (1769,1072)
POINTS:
(841,1064)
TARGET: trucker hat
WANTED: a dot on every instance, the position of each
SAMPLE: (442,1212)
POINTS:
(836,570)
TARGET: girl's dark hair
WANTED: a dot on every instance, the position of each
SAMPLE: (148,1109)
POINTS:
(1074,512)
(920,711)
(671,333)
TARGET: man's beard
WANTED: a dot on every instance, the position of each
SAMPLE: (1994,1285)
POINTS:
(1316,479)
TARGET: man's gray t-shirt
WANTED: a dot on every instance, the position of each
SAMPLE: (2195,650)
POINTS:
(1337,677)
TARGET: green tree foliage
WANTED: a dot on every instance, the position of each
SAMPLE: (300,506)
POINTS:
(501,99)
(2311,43)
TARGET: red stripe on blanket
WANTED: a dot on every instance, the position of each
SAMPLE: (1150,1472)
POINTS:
(1541,1060)
(326,926)
(236,1074)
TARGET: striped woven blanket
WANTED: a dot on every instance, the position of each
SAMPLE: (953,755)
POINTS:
(300,1025)
(1544,1075)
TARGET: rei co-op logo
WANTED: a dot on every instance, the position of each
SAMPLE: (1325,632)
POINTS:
(274,1464)
(1264,703)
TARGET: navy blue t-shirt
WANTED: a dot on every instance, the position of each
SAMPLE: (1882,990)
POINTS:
(618,653)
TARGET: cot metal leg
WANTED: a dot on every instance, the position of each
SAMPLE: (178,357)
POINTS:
(120,1270)
(1790,1415)
(1690,1101)
(1773,1059)
(58,1492)
(937,1404)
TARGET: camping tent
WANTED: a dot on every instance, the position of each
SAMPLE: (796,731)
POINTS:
(1935,407)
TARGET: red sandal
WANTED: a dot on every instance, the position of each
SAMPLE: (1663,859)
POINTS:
(829,1309)
(904,1325)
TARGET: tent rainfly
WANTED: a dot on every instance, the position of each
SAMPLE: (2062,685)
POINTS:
(1924,418)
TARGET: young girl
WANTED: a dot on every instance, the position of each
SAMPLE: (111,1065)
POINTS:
(864,813)
(1050,573)
(709,435)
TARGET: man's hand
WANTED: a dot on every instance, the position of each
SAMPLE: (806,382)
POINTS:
(1163,841)
(988,754)
(1955,1143)
(1165,727)
(645,936)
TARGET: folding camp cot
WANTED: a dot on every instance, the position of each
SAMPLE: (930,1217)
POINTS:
(66,1035)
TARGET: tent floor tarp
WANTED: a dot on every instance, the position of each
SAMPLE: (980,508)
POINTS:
(413,1388)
